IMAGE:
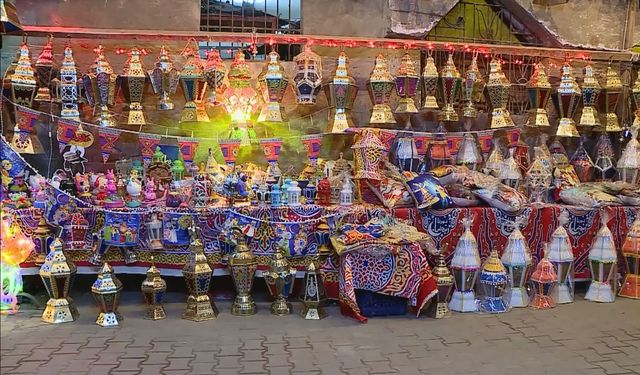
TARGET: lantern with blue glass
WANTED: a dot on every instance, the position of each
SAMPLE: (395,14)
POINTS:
(309,192)
(493,280)
(276,196)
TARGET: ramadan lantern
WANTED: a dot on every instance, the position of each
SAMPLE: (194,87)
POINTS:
(42,237)
(164,80)
(468,153)
(495,161)
(539,177)
(132,83)
(605,162)
(510,173)
(473,88)
(406,84)
(493,281)
(274,83)
(197,274)
(449,86)
(631,253)
(539,90)
(280,280)
(100,88)
(582,163)
(324,192)
(194,88)
(590,94)
(23,80)
(543,280)
(609,96)
(106,291)
(561,256)
(314,295)
(44,72)
(380,86)
(153,288)
(214,73)
(629,162)
(368,152)
(430,84)
(243,267)
(444,281)
(241,99)
(58,273)
(566,99)
(635,92)
(406,150)
(230,148)
(497,91)
(308,78)
(465,265)
(602,263)
(69,87)
(517,259)
(341,91)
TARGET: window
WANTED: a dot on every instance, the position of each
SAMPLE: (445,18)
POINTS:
(265,16)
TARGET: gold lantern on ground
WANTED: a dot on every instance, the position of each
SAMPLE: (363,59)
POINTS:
(430,84)
(444,280)
(407,84)
(243,266)
(341,91)
(100,88)
(132,83)
(153,288)
(194,88)
(44,71)
(106,291)
(164,80)
(380,86)
(280,280)
(58,273)
(539,90)
(197,274)
(449,86)
(23,79)
(274,83)
(473,88)
(314,295)
(543,281)
(609,97)
(517,259)
(566,99)
(631,253)
(590,94)
(498,88)
(602,263)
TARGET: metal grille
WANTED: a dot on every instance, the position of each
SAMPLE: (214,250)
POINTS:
(264,16)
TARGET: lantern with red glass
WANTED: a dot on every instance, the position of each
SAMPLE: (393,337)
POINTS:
(543,280)
(324,192)
(631,253)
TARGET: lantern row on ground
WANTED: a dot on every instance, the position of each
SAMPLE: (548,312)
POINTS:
(58,274)
(243,266)
(197,274)
(280,280)
(493,280)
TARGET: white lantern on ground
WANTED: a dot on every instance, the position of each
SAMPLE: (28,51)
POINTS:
(517,259)
(561,256)
(465,265)
(602,262)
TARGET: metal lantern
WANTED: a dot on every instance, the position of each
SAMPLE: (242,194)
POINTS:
(309,192)
(368,152)
(273,82)
(561,256)
(154,231)
(473,88)
(539,90)
(539,177)
(590,94)
(346,193)
(444,281)
(468,153)
(510,173)
(58,273)
(271,148)
(566,99)
(517,259)
(406,84)
(493,281)
(44,72)
(406,152)
(153,289)
(293,194)
(430,84)
(275,196)
(341,91)
(635,93)
(194,88)
(280,280)
(631,253)
(602,263)
(605,162)
(164,80)
(314,295)
(106,291)
(449,86)
(609,97)
(69,86)
(23,79)
(497,91)
(322,234)
(100,88)
(380,86)
(308,78)
(324,192)
(132,83)
(214,73)
(629,162)
(465,265)
(582,163)
(495,161)
(543,280)
(197,275)
(42,237)
(243,267)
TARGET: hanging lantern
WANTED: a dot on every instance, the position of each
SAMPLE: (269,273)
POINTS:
(241,100)
(465,265)
(566,99)
(543,281)
(308,78)
(602,263)
(132,83)
(561,256)
(57,273)
(406,84)
(194,88)
(368,152)
(629,162)
(444,281)
(610,95)
(214,73)
(380,86)
(314,295)
(42,238)
(273,83)
(539,90)
(197,275)
(230,148)
(23,79)
(100,88)
(635,92)
(631,253)
(493,281)
(164,80)
(590,94)
(153,289)
(468,153)
(106,291)
(449,86)
(271,148)
(539,176)
(497,89)
(243,267)
(69,87)
(473,88)
(517,259)
(280,280)
(44,72)
(9,20)
(605,159)
(510,173)
(430,84)
(341,91)
(582,163)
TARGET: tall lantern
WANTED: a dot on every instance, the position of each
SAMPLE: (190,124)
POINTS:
(153,288)
(308,78)
(610,95)
(314,295)
(561,256)
(406,84)
(214,73)
(602,263)
(42,238)
(582,163)
(590,94)
(465,265)
(132,83)
(605,162)
(241,99)
(368,151)
(495,161)
(510,173)
(44,72)
(23,79)
(629,162)
(341,91)
(164,80)
(274,83)
(449,86)
(194,88)
(106,291)
(280,280)
(58,273)
(243,266)
(69,86)
(473,88)
(517,259)
(380,86)
(444,280)
(539,90)
(631,253)
(493,280)
(100,88)
(543,281)
(566,99)
(430,84)
(497,89)
(197,274)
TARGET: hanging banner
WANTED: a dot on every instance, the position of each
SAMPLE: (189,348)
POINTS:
(387,138)
(26,121)
(312,143)
(513,136)
(148,144)
(229,148)
(108,138)
(66,131)
(453,143)
(421,145)
(188,147)
(271,148)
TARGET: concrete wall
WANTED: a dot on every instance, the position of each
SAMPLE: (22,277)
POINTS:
(345,17)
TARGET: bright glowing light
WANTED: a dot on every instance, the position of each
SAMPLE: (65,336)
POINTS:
(16,247)
(11,285)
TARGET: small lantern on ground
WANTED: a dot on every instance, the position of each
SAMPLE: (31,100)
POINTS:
(153,289)
(197,274)
(517,259)
(493,280)
(106,291)
(444,280)
(243,266)
(543,281)
(57,274)
(465,265)
(602,263)
(561,256)
(314,295)
(280,280)
(631,253)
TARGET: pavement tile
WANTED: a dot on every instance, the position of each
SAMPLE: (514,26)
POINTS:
(253,355)
(151,369)
(28,367)
(99,369)
(129,364)
(157,358)
(202,368)
(178,364)
(254,367)
(611,367)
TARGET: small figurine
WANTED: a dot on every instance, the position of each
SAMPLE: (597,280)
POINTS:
(178,170)
(134,188)
(83,187)
(113,199)
(100,189)
(150,191)
(38,191)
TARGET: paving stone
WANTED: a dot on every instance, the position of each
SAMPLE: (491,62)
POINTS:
(204,357)
(151,369)
(202,368)
(129,364)
(275,349)
(254,367)
(278,360)
(229,361)
(281,370)
(178,364)
(28,367)
(253,355)
(157,358)
(611,367)
(99,369)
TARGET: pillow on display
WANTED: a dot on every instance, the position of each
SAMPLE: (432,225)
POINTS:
(429,193)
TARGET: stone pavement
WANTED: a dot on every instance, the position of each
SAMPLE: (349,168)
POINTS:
(581,338)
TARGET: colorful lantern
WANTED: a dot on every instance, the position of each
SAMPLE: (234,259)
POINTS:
(543,280)
(590,94)
(153,288)
(69,87)
(197,274)
(194,88)
(582,163)
(539,176)
(497,89)
(271,148)
(312,144)
(473,88)
(293,194)
(106,291)
(566,99)
(57,274)
(314,295)
(539,90)
(16,247)
(517,259)
(406,84)
(430,84)
(164,80)
(465,265)
(605,162)
(229,149)
(241,99)
(449,86)
(243,267)
(380,86)
(341,91)
(629,162)
(275,196)
(610,95)
(406,152)
(273,83)
(468,153)
(368,152)
(44,71)
(346,193)
(154,231)
(561,256)
(42,238)
(602,263)
(444,280)
(132,82)
(631,253)
(100,88)
(280,280)
(324,192)
(23,80)
(214,73)
(493,280)
(308,78)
